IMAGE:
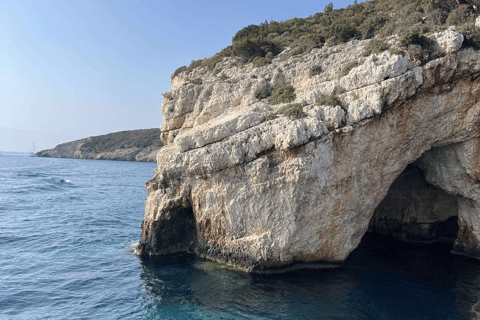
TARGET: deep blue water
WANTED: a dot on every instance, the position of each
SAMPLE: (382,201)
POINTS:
(67,231)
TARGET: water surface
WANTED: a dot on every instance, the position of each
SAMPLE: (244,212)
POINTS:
(67,232)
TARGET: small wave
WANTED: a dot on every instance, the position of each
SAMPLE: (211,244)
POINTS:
(32,174)
(132,247)
(47,187)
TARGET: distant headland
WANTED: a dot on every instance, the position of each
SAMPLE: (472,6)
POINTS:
(133,145)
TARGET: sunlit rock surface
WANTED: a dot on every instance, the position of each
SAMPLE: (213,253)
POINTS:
(269,195)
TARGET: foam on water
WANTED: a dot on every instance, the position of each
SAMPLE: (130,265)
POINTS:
(132,247)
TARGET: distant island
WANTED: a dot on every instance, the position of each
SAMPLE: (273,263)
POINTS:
(133,145)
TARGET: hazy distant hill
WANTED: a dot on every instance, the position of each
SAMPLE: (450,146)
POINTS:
(134,145)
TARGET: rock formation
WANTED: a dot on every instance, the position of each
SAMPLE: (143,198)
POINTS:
(134,145)
(241,183)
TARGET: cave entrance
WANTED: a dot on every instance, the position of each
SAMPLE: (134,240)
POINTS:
(416,211)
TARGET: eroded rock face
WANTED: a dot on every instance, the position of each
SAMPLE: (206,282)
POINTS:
(416,211)
(455,169)
(268,195)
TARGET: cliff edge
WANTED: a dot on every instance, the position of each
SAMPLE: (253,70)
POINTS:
(133,145)
(289,163)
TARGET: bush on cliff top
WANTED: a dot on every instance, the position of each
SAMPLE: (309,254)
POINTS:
(334,26)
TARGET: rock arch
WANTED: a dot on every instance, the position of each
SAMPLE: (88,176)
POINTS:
(436,199)
(416,211)
(282,193)
(455,169)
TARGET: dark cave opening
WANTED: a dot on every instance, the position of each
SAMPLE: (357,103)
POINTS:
(416,211)
(177,230)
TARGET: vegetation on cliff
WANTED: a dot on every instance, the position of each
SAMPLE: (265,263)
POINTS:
(408,19)
(132,145)
(142,138)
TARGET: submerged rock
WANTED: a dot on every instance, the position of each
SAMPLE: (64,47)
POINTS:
(263,192)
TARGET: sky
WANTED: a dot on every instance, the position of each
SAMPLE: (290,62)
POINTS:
(79,68)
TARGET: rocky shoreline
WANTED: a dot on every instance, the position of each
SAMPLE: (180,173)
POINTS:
(134,145)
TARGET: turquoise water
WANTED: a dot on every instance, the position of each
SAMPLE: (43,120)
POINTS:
(67,232)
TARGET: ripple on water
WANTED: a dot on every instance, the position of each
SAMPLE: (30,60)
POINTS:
(67,251)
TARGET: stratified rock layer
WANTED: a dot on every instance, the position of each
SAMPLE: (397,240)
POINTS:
(268,195)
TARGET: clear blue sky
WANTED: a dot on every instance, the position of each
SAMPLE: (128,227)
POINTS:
(73,69)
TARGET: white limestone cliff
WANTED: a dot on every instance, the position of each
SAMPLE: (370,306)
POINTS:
(267,195)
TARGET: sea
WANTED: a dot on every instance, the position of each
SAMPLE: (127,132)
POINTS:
(68,230)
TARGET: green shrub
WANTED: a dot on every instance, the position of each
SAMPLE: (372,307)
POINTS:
(328,7)
(349,66)
(178,71)
(471,34)
(326,100)
(271,117)
(375,47)
(293,111)
(224,77)
(408,19)
(197,81)
(260,62)
(195,64)
(316,70)
(254,47)
(417,54)
(396,51)
(282,93)
(339,91)
(459,16)
(341,32)
(290,53)
(262,93)
(411,36)
(244,33)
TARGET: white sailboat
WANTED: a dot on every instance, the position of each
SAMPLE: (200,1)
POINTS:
(32,154)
